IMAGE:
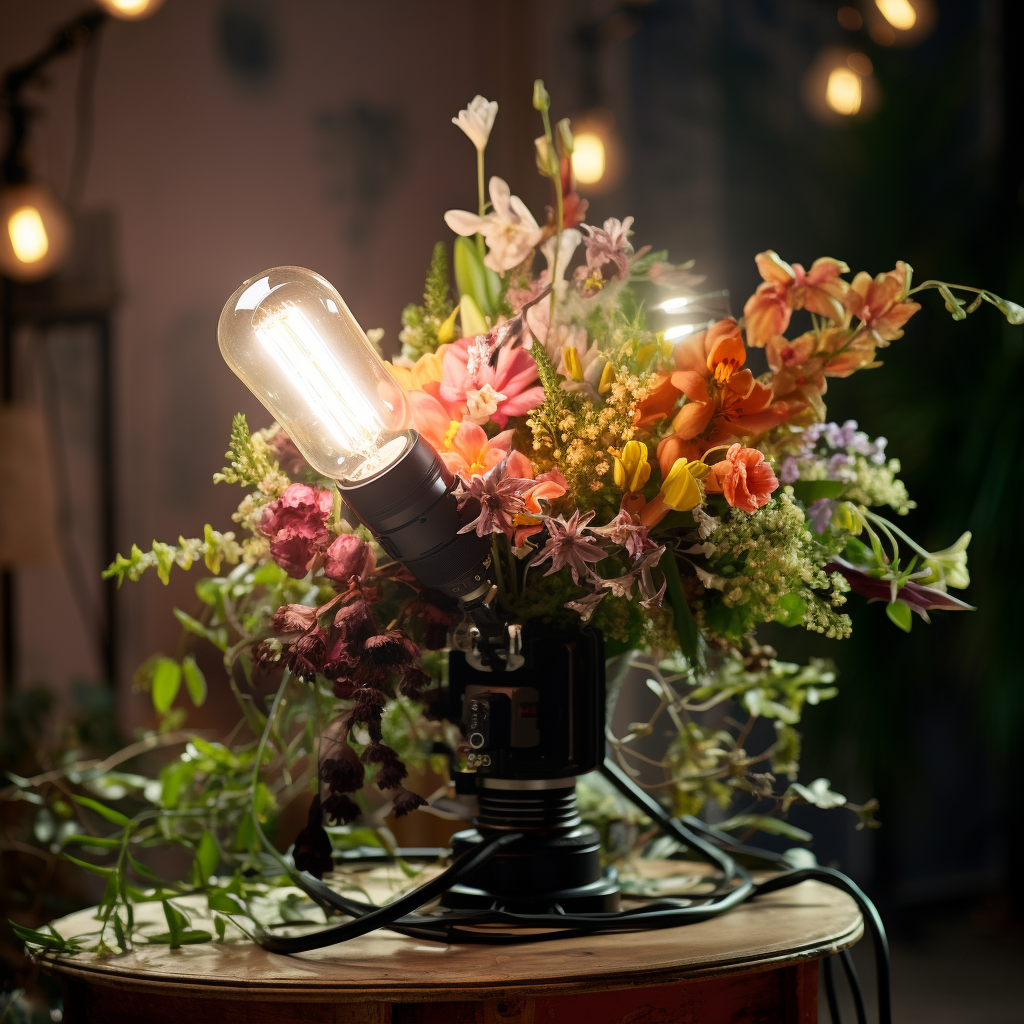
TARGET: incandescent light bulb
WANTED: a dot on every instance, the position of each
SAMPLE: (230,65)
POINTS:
(289,336)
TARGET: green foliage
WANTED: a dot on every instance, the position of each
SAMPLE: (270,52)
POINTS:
(215,548)
(249,460)
(422,323)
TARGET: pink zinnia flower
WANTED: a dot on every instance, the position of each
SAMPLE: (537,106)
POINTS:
(566,545)
(503,389)
(464,447)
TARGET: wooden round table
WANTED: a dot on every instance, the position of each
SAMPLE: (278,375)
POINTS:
(757,963)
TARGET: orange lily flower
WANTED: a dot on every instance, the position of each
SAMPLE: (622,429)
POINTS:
(741,405)
(549,487)
(785,288)
(658,404)
(879,302)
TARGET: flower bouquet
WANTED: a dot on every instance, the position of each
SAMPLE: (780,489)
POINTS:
(632,470)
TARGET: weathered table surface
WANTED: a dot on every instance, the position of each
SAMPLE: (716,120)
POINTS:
(755,963)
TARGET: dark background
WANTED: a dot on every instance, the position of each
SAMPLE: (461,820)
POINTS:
(236,134)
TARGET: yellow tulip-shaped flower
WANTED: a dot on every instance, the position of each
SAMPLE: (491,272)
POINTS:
(573,366)
(426,369)
(681,490)
(632,469)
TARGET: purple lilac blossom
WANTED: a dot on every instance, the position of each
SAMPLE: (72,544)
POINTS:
(820,513)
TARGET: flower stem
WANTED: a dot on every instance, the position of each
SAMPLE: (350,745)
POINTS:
(268,729)
(481,201)
(499,576)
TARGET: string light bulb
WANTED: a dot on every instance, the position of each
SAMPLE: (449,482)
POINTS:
(899,13)
(131,10)
(35,232)
(597,158)
(588,159)
(843,92)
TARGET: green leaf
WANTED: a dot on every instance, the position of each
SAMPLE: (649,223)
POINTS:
(791,609)
(184,937)
(207,855)
(195,681)
(96,869)
(686,627)
(900,614)
(100,842)
(114,817)
(471,276)
(766,823)
(166,682)
(221,925)
(52,941)
(217,637)
(809,491)
(819,793)
(226,903)
(176,924)
(122,940)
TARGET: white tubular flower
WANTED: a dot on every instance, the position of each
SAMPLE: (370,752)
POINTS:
(477,120)
(509,230)
(569,239)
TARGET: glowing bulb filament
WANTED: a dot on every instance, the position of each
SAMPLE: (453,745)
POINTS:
(28,236)
(843,92)
(346,417)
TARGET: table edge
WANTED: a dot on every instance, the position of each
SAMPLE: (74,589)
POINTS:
(398,992)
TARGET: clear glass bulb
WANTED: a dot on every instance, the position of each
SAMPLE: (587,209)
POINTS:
(289,336)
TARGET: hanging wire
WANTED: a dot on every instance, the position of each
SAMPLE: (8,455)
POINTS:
(85,90)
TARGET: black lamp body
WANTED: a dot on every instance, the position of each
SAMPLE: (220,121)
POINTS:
(531,730)
(412,510)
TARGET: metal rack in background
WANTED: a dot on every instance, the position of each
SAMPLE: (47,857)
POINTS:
(82,294)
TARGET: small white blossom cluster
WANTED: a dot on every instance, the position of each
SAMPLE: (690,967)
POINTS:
(766,558)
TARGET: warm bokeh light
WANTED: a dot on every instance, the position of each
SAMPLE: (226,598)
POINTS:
(588,161)
(850,18)
(28,235)
(598,158)
(861,63)
(899,13)
(35,232)
(131,10)
(843,92)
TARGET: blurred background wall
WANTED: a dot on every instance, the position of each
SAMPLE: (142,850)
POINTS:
(233,135)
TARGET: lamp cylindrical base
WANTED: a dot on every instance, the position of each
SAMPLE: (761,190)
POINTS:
(557,863)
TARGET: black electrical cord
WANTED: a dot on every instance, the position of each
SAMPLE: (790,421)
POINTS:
(378,917)
(458,925)
(854,981)
(830,990)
